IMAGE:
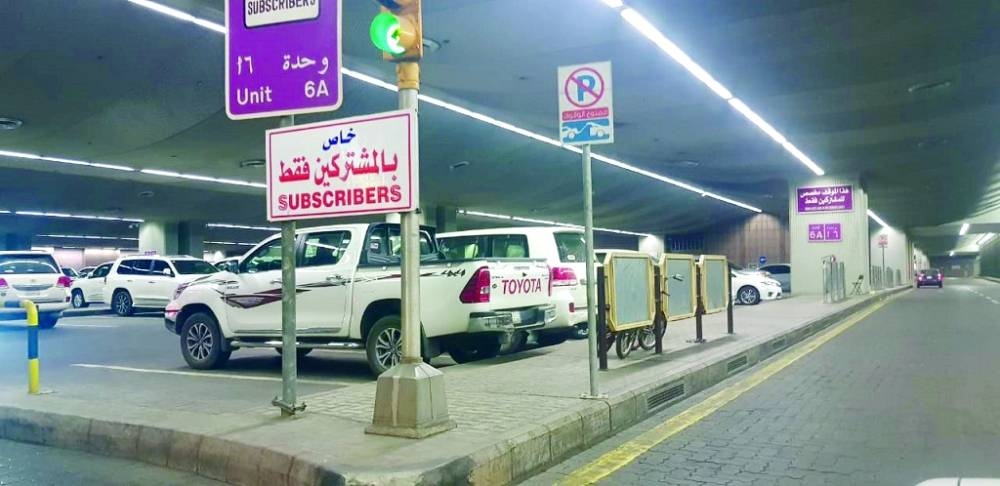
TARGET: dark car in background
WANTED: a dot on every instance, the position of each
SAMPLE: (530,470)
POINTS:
(931,277)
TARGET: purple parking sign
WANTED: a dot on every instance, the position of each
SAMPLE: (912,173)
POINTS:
(282,58)
(829,232)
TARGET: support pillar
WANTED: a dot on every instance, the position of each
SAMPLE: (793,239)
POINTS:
(852,248)
(445,219)
(652,245)
(159,237)
(191,238)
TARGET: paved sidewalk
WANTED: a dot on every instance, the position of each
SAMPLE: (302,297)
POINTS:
(516,414)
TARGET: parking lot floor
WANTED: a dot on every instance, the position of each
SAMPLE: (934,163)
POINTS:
(904,395)
(130,369)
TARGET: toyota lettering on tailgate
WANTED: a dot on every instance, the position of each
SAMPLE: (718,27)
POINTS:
(521,286)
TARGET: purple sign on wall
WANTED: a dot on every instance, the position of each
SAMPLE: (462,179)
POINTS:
(824,232)
(825,198)
(282,58)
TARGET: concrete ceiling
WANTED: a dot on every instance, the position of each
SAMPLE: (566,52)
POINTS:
(903,93)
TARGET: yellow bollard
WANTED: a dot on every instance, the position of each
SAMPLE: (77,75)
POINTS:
(32,313)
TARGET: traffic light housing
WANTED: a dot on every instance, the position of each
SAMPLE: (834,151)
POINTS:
(397,30)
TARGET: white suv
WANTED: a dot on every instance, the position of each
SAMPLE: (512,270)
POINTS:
(90,289)
(34,276)
(562,248)
(149,282)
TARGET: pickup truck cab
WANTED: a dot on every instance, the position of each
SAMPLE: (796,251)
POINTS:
(564,250)
(348,288)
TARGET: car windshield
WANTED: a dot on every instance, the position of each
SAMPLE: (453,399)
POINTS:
(17,264)
(931,271)
(194,267)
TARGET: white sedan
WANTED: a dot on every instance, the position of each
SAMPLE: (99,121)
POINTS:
(749,288)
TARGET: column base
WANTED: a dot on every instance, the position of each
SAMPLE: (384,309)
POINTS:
(410,402)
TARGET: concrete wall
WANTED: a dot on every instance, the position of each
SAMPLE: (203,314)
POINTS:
(853,250)
(989,259)
(745,241)
(959,266)
(897,253)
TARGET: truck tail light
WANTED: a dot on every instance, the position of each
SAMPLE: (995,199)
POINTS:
(64,282)
(562,276)
(477,291)
(939,276)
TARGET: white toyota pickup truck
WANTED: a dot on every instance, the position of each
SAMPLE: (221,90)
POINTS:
(348,286)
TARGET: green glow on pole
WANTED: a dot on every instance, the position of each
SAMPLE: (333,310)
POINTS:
(385,33)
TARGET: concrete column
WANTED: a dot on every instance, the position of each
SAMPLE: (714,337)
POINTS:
(445,219)
(853,249)
(652,244)
(191,238)
(159,237)
(15,241)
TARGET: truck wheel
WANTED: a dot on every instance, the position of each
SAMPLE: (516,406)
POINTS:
(48,321)
(122,303)
(299,352)
(484,347)
(384,344)
(78,301)
(201,342)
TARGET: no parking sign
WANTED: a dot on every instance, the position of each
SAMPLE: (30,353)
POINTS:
(585,104)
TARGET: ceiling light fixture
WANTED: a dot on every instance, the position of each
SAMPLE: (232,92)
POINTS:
(614,3)
(985,239)
(90,237)
(44,214)
(951,253)
(10,123)
(242,226)
(964,229)
(519,219)
(229,243)
(23,155)
(872,215)
(479,116)
(252,163)
(641,24)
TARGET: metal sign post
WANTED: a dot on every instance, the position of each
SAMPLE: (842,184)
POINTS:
(586,117)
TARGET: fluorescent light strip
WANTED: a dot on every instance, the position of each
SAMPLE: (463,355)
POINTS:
(519,219)
(23,155)
(493,121)
(872,215)
(229,243)
(641,24)
(44,214)
(90,237)
(242,226)
(964,230)
(195,177)
(951,253)
(985,239)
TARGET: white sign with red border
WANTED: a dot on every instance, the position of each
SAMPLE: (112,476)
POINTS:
(586,114)
(353,166)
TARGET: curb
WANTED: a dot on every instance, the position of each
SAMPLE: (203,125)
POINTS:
(86,312)
(554,439)
(991,279)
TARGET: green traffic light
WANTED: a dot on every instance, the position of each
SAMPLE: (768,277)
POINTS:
(385,33)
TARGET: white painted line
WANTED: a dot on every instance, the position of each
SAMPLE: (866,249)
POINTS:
(87,325)
(203,375)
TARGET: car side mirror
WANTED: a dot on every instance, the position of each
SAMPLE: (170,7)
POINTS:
(167,272)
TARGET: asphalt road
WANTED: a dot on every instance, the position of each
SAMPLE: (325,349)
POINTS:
(26,464)
(136,360)
(907,394)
